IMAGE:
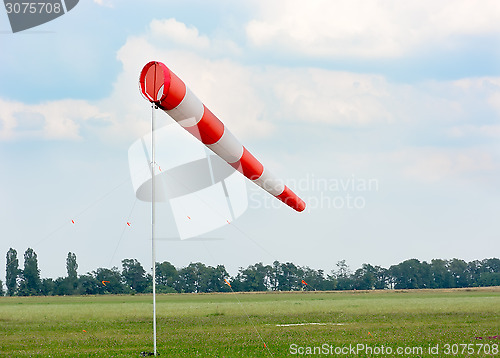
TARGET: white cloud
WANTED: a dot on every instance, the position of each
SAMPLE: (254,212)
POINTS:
(379,29)
(258,101)
(438,164)
(340,98)
(50,120)
(464,131)
(494,100)
(479,95)
(8,121)
(105,3)
(478,84)
(250,100)
(178,33)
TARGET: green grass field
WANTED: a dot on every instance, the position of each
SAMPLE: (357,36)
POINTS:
(229,325)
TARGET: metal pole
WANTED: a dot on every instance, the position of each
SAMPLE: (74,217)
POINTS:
(153,249)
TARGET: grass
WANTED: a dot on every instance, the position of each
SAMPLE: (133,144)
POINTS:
(229,325)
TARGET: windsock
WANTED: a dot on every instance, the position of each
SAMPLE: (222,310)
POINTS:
(167,91)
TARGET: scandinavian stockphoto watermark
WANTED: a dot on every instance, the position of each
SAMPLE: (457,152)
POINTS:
(350,193)
(26,14)
(365,350)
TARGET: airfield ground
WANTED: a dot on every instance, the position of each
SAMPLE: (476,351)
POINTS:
(419,323)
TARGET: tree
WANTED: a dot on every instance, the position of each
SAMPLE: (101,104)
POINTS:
(343,276)
(11,272)
(193,278)
(253,278)
(459,272)
(491,265)
(273,275)
(342,269)
(381,278)
(475,268)
(365,277)
(441,276)
(489,279)
(112,280)
(134,275)
(218,279)
(479,271)
(71,266)
(48,287)
(89,285)
(71,282)
(30,279)
(425,279)
(197,278)
(289,277)
(407,274)
(331,281)
(63,287)
(315,279)
(166,275)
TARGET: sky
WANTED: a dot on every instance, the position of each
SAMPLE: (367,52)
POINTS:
(383,115)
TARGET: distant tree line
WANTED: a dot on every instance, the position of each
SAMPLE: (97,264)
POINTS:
(198,278)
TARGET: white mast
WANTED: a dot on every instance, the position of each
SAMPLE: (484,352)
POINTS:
(153,249)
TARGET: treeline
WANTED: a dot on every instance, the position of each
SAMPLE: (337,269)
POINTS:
(197,277)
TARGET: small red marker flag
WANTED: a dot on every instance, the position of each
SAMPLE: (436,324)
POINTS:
(104,282)
(73,221)
(128,223)
(304,282)
(227,283)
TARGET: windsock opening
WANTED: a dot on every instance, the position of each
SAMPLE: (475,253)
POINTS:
(161,86)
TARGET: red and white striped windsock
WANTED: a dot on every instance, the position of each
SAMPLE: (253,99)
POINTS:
(162,87)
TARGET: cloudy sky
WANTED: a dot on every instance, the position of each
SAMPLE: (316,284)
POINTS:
(383,115)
